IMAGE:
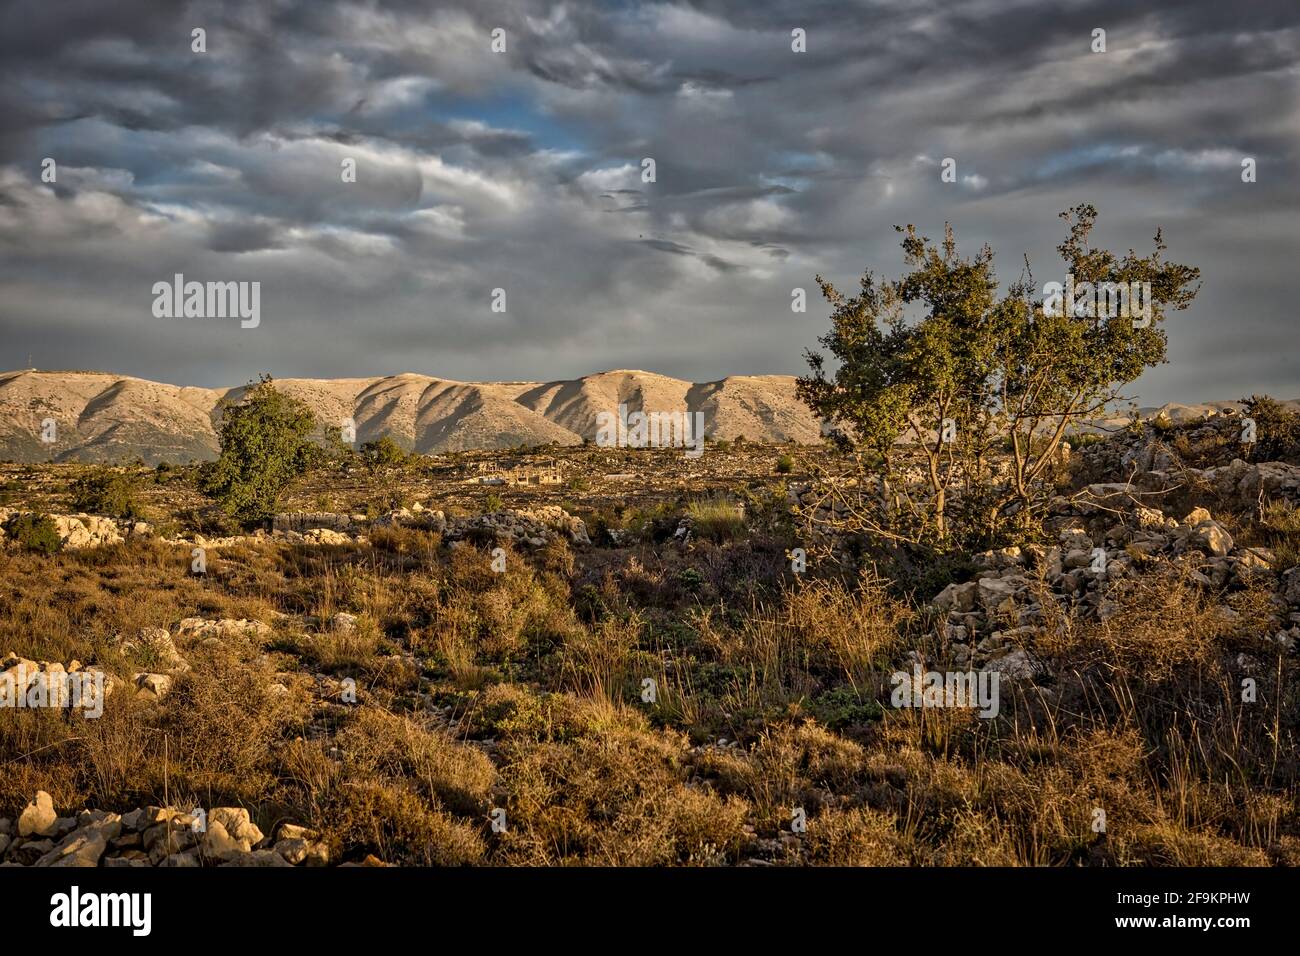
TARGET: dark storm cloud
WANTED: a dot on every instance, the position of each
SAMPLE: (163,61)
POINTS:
(523,171)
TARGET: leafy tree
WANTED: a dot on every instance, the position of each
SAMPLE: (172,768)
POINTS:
(940,358)
(265,444)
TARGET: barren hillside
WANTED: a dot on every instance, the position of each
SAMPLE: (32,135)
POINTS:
(100,416)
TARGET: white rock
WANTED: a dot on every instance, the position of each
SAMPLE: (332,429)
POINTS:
(38,818)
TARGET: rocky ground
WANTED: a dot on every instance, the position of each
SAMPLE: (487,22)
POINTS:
(151,836)
(360,683)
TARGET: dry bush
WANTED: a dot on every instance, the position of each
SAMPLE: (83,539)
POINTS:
(222,722)
(618,798)
(380,745)
(397,825)
(858,836)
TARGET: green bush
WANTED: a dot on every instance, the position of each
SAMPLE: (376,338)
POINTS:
(1080,440)
(265,444)
(106,491)
(384,453)
(33,532)
(1277,429)
(784,465)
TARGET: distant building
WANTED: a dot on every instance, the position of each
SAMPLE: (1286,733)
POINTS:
(547,473)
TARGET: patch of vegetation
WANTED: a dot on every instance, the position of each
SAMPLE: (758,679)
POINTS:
(385,453)
(1277,429)
(845,707)
(33,532)
(108,491)
(716,519)
(265,444)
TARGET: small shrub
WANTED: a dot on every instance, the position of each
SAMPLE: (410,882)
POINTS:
(106,491)
(1277,429)
(784,465)
(1081,440)
(34,532)
(384,453)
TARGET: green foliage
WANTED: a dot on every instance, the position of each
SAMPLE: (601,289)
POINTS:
(784,465)
(941,343)
(1277,429)
(690,578)
(106,491)
(265,444)
(384,453)
(33,532)
(844,706)
(1081,440)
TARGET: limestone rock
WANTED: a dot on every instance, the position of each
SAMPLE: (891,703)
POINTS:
(151,687)
(218,843)
(84,847)
(198,627)
(237,823)
(1210,537)
(38,818)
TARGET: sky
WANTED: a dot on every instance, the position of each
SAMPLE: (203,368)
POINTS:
(521,169)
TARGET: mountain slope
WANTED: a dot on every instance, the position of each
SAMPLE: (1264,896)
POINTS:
(99,416)
(104,417)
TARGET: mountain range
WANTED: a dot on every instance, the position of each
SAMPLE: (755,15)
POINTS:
(102,417)
(99,416)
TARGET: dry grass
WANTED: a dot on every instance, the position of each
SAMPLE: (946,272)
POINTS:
(523,691)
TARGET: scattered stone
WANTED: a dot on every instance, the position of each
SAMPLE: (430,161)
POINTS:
(197,627)
(1211,537)
(151,687)
(39,818)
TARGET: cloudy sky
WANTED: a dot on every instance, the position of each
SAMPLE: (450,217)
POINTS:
(522,170)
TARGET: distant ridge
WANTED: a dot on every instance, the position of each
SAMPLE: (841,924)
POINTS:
(100,416)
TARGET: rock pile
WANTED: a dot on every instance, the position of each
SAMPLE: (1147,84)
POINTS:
(152,836)
(19,677)
(152,648)
(205,629)
(1104,536)
(533,529)
(1148,458)
(78,531)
